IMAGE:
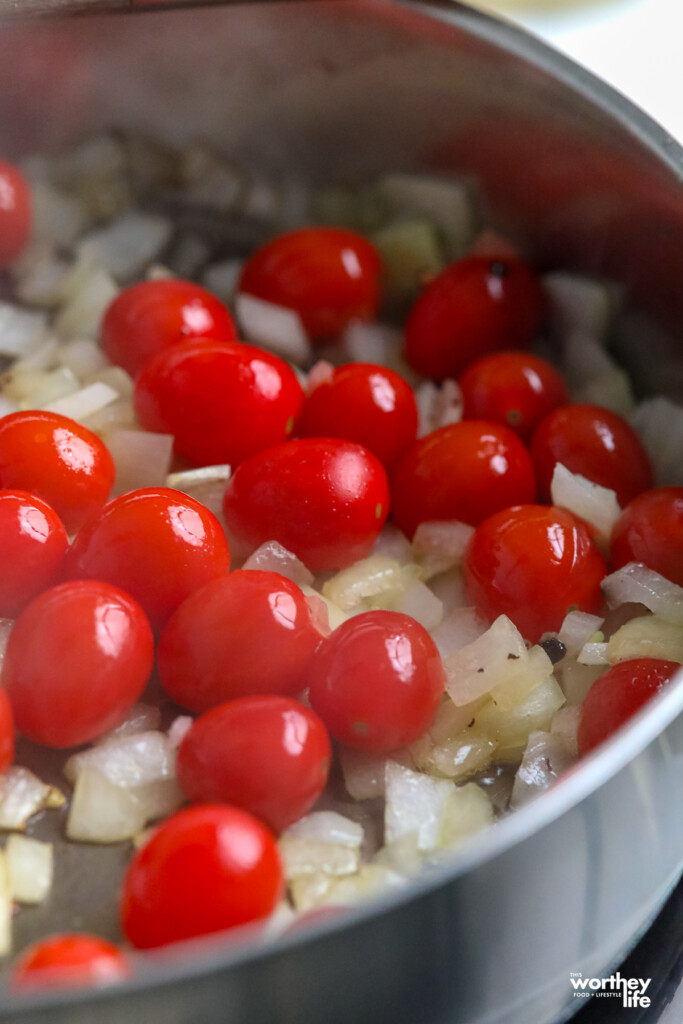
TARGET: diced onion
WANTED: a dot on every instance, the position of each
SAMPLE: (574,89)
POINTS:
(142,459)
(83,403)
(88,291)
(369,577)
(5,907)
(659,424)
(311,856)
(458,757)
(328,827)
(593,653)
(565,724)
(126,245)
(206,485)
(597,505)
(440,545)
(320,373)
(647,636)
(30,865)
(140,718)
(545,758)
(364,770)
(414,802)
(437,406)
(101,811)
(275,327)
(21,331)
(274,557)
(511,729)
(22,794)
(580,305)
(576,629)
(448,202)
(638,584)
(418,601)
(498,658)
(468,811)
(178,730)
(221,278)
(83,357)
(129,760)
(370,342)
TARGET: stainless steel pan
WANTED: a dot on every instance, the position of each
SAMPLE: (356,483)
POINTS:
(583,180)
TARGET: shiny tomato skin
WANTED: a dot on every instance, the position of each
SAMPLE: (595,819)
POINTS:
(650,530)
(533,563)
(594,442)
(377,681)
(222,403)
(475,306)
(514,388)
(205,869)
(78,658)
(465,471)
(371,405)
(157,544)
(58,460)
(6,732)
(617,695)
(152,316)
(33,544)
(268,755)
(70,960)
(329,276)
(248,633)
(16,212)
(325,499)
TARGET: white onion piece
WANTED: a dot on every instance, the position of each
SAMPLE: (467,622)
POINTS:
(647,636)
(327,827)
(140,718)
(659,425)
(35,389)
(448,202)
(367,578)
(30,865)
(414,802)
(394,544)
(159,798)
(467,811)
(450,720)
(282,918)
(418,601)
(311,856)
(5,907)
(590,501)
(411,253)
(364,770)
(58,218)
(592,375)
(42,358)
(21,330)
(178,730)
(88,291)
(579,304)
(142,459)
(274,557)
(129,760)
(576,630)
(206,485)
(370,342)
(370,880)
(402,854)
(457,757)
(437,406)
(7,405)
(593,653)
(101,811)
(40,276)
(221,278)
(126,245)
(440,545)
(325,621)
(274,327)
(545,758)
(23,794)
(321,372)
(458,629)
(576,680)
(79,405)
(565,724)
(511,728)
(83,357)
(638,584)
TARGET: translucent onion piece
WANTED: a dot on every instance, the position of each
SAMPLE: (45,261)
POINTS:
(437,406)
(593,654)
(328,827)
(372,879)
(101,811)
(394,544)
(458,629)
(84,403)
(458,757)
(364,770)
(159,798)
(142,459)
(418,601)
(414,802)
(221,278)
(313,856)
(320,373)
(659,424)
(636,583)
(438,546)
(127,761)
(410,250)
(565,724)
(597,505)
(579,305)
(88,291)
(450,720)
(30,865)
(22,794)
(373,575)
(126,245)
(206,485)
(545,758)
(274,557)
(371,343)
(402,854)
(21,331)
(178,729)
(467,811)
(274,327)
(576,629)
(5,907)
(6,627)
(335,616)
(647,636)
(448,202)
(140,718)
(511,729)
(83,357)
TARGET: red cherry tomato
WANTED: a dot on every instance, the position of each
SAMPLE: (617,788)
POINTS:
(322,498)
(368,404)
(6,732)
(594,442)
(329,276)
(248,633)
(464,471)
(268,755)
(475,306)
(78,658)
(15,212)
(152,316)
(58,460)
(157,544)
(617,695)
(377,681)
(222,403)
(205,869)
(650,530)
(514,388)
(33,543)
(66,960)
(533,563)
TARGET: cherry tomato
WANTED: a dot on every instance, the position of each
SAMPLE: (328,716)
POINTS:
(514,388)
(222,403)
(475,306)
(617,695)
(157,544)
(248,633)
(594,442)
(205,869)
(268,755)
(329,276)
(15,212)
(78,658)
(66,960)
(6,732)
(650,530)
(152,316)
(533,563)
(377,681)
(58,460)
(364,403)
(33,543)
(322,498)
(464,471)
